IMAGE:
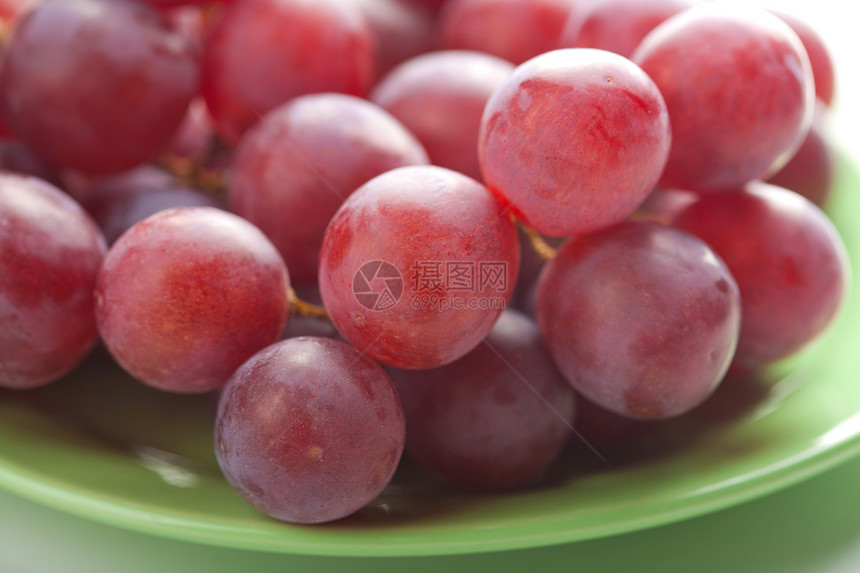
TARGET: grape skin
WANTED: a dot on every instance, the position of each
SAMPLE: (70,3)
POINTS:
(402,31)
(193,137)
(50,253)
(789,261)
(495,419)
(514,30)
(187,295)
(642,319)
(574,140)
(18,158)
(174,3)
(812,169)
(118,203)
(739,89)
(819,56)
(405,217)
(262,53)
(296,167)
(428,92)
(617,25)
(309,430)
(96,85)
(9,9)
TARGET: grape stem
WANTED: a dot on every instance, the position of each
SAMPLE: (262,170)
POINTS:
(646,216)
(538,243)
(299,307)
(193,171)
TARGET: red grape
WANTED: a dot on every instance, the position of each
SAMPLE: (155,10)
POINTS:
(18,158)
(295,168)
(664,204)
(5,132)
(402,30)
(440,97)
(9,9)
(633,137)
(574,140)
(811,170)
(265,52)
(432,6)
(118,202)
(819,56)
(50,253)
(82,187)
(309,430)
(417,265)
(788,259)
(609,433)
(642,319)
(617,25)
(96,85)
(173,3)
(739,89)
(187,295)
(514,30)
(495,419)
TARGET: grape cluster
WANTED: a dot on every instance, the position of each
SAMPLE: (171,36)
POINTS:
(509,213)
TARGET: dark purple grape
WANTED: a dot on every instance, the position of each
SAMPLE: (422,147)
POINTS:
(309,430)
(641,318)
(18,158)
(117,203)
(788,259)
(494,419)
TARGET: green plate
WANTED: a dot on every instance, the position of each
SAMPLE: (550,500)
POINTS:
(104,447)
